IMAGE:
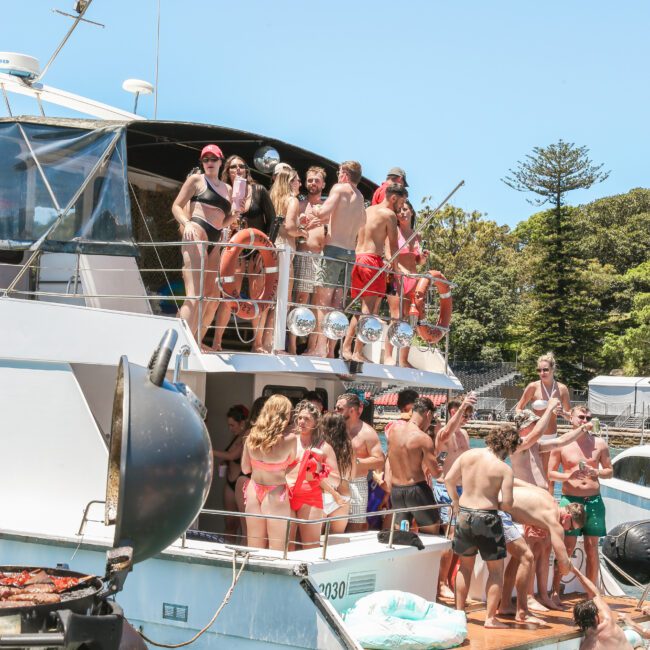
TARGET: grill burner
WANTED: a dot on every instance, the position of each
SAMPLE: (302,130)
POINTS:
(160,470)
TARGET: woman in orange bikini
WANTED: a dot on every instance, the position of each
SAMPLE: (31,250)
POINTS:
(309,477)
(270,450)
(202,209)
(407,262)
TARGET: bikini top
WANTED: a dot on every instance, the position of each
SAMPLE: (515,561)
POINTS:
(260,213)
(541,404)
(404,250)
(209,196)
(273,467)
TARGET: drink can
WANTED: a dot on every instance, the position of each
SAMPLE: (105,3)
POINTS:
(595,425)
(404,525)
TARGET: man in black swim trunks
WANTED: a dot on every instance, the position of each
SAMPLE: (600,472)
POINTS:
(410,451)
(483,474)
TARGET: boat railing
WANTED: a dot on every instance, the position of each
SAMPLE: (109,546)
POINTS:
(326,521)
(154,283)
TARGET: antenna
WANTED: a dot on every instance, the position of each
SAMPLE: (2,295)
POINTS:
(137,87)
(81,6)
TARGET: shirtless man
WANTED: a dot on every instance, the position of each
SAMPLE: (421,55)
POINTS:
(405,400)
(367,455)
(377,236)
(584,462)
(596,620)
(484,476)
(528,465)
(410,449)
(344,214)
(452,440)
(534,507)
(311,243)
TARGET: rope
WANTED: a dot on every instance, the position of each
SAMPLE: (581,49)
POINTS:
(235,579)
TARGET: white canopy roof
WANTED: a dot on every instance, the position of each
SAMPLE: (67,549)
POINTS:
(612,395)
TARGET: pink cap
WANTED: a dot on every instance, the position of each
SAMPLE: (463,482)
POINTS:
(213,149)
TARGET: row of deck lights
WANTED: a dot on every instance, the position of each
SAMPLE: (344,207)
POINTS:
(302,322)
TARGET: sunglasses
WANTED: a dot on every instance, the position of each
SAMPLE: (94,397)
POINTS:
(543,370)
(584,417)
(211,159)
(237,166)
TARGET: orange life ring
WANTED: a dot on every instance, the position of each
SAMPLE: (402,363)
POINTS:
(248,309)
(433,333)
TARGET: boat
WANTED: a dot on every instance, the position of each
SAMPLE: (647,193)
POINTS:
(83,285)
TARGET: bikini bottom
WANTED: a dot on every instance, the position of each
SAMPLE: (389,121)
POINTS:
(261,491)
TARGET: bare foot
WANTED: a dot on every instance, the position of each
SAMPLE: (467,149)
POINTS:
(216,347)
(552,604)
(206,349)
(508,612)
(535,606)
(406,364)
(347,354)
(389,361)
(528,619)
(359,358)
(315,353)
(492,623)
(445,592)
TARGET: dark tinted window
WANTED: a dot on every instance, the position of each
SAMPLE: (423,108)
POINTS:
(634,469)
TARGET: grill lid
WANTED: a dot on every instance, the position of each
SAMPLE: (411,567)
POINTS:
(160,459)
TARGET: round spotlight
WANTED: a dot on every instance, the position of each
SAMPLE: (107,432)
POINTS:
(369,329)
(335,325)
(301,321)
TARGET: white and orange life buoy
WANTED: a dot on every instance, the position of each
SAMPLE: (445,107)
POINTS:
(249,309)
(433,333)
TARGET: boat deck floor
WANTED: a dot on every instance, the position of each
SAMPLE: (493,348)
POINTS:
(558,626)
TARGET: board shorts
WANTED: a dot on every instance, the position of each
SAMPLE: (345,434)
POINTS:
(359,499)
(304,272)
(420,494)
(442,497)
(479,531)
(510,530)
(362,275)
(594,513)
(333,273)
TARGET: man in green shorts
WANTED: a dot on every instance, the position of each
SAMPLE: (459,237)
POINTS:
(584,462)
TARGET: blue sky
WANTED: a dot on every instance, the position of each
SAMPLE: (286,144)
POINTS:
(446,90)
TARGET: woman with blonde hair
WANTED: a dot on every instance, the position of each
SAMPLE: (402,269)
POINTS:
(284,196)
(202,210)
(270,450)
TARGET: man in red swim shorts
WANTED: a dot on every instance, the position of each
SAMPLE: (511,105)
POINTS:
(378,236)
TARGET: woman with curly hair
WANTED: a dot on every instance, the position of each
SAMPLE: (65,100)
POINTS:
(270,450)
(336,435)
(309,478)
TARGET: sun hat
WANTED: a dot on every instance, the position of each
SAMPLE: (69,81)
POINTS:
(525,418)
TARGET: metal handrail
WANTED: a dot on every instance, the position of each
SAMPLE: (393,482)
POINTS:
(321,520)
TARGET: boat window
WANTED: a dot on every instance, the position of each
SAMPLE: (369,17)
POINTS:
(634,469)
(79,174)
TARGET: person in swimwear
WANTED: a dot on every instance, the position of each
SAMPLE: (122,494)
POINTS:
(401,289)
(229,459)
(202,209)
(487,488)
(270,450)
(336,434)
(309,477)
(537,393)
(256,211)
(379,234)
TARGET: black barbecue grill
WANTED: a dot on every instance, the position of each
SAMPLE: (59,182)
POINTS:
(159,474)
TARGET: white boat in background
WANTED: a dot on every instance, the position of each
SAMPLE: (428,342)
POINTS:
(78,292)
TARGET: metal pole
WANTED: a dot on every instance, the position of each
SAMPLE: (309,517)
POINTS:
(413,235)
(285,553)
(326,539)
(392,531)
(199,327)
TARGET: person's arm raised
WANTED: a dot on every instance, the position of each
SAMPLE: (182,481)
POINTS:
(540,426)
(455,420)
(604,612)
(565,439)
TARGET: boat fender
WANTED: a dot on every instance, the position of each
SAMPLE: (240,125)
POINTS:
(249,309)
(627,546)
(433,333)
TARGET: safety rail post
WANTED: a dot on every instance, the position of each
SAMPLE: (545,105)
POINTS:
(199,327)
(287,530)
(281,300)
(392,530)
(326,539)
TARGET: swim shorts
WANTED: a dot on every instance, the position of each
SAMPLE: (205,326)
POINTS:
(359,499)
(304,272)
(594,512)
(510,530)
(420,494)
(479,531)
(534,532)
(441,496)
(366,270)
(333,273)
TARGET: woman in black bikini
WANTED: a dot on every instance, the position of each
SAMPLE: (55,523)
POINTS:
(256,212)
(229,459)
(202,209)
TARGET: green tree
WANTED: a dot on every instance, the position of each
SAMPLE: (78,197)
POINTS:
(555,314)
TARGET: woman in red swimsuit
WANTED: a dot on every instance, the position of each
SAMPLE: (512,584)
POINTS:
(202,209)
(270,449)
(309,477)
